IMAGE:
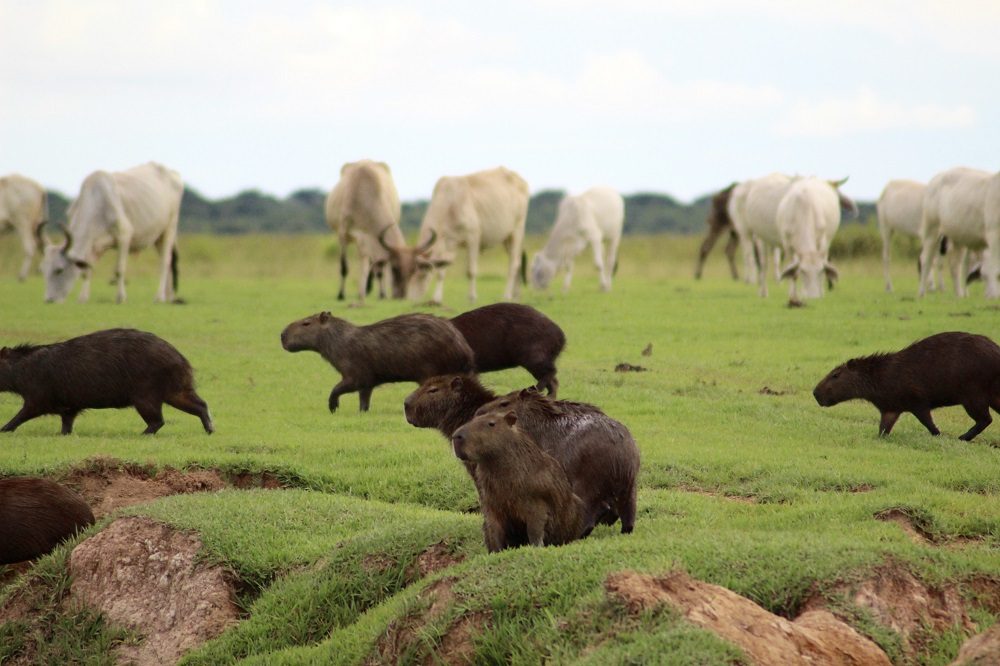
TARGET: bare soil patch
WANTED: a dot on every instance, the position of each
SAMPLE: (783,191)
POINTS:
(980,650)
(907,524)
(146,576)
(402,636)
(742,499)
(433,558)
(815,637)
(767,390)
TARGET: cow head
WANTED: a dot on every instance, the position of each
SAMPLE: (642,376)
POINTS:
(411,266)
(542,271)
(811,269)
(59,269)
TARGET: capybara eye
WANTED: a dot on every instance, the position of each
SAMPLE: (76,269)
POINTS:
(491,423)
(433,390)
(306,323)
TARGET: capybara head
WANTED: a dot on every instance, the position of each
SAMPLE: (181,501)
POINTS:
(842,383)
(509,401)
(484,437)
(306,333)
(427,406)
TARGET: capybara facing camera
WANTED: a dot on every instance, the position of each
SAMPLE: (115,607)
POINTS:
(939,371)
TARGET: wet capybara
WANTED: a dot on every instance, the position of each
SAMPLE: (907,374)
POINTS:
(526,497)
(598,453)
(35,515)
(508,335)
(942,370)
(116,368)
(407,348)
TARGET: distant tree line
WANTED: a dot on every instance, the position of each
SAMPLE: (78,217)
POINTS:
(252,211)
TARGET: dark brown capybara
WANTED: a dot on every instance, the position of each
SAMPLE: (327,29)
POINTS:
(598,453)
(526,497)
(116,368)
(407,348)
(508,335)
(35,515)
(941,370)
(718,224)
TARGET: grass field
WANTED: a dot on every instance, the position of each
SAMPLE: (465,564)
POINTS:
(760,491)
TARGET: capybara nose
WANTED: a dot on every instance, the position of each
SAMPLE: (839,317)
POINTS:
(819,401)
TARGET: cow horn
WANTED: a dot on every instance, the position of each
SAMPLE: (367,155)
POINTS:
(838,183)
(426,245)
(790,270)
(40,235)
(69,239)
(381,239)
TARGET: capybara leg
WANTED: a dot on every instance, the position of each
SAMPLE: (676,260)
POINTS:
(26,414)
(627,510)
(536,529)
(888,420)
(981,415)
(152,414)
(192,403)
(342,387)
(67,422)
(925,418)
(494,534)
(365,398)
(547,381)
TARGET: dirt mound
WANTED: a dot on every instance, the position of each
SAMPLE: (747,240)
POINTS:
(433,558)
(980,650)
(146,576)
(906,523)
(815,637)
(108,485)
(898,600)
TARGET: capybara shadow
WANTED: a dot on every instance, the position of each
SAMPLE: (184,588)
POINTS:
(939,371)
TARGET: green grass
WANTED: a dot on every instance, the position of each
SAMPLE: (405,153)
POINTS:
(817,476)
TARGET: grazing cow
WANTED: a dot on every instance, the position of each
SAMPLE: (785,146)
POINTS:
(759,218)
(594,217)
(36,515)
(807,219)
(129,210)
(900,208)
(955,207)
(363,207)
(719,222)
(477,211)
(24,207)
(736,210)
(107,369)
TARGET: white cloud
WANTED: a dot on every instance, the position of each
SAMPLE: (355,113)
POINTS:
(867,112)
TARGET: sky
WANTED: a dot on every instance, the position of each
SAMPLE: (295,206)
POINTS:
(680,97)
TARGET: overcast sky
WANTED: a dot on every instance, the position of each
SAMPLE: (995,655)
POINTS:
(675,96)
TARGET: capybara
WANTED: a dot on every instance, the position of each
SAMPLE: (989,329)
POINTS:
(407,348)
(35,515)
(116,368)
(508,335)
(525,495)
(598,453)
(944,369)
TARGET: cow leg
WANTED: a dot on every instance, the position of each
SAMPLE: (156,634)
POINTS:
(473,241)
(67,421)
(990,262)
(603,270)
(514,249)
(166,246)
(30,244)
(762,252)
(124,241)
(192,403)
(152,413)
(926,259)
(887,422)
(343,267)
(343,386)
(568,277)
(380,274)
(961,289)
(980,413)
(85,286)
(706,247)
(26,413)
(886,251)
(731,245)
(365,398)
(924,416)
(750,259)
(777,263)
(363,274)
(439,286)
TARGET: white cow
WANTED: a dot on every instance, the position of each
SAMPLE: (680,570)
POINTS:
(363,207)
(807,219)
(129,210)
(759,219)
(736,208)
(900,208)
(955,207)
(24,206)
(477,211)
(591,217)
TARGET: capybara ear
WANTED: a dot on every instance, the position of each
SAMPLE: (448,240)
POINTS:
(510,418)
(456,383)
(324,316)
(525,392)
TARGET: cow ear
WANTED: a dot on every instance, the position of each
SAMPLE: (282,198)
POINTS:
(790,271)
(440,263)
(81,264)
(510,418)
(456,383)
(831,272)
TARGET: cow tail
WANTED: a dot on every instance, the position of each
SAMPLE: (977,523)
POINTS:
(173,266)
(524,267)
